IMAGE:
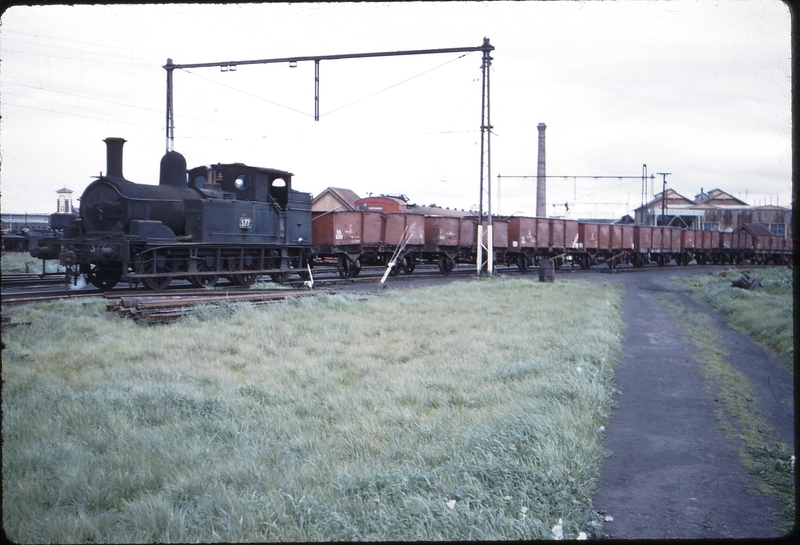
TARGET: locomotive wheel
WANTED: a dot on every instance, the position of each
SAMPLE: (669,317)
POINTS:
(156,284)
(244,279)
(446,265)
(158,264)
(522,263)
(102,275)
(282,276)
(205,265)
(238,277)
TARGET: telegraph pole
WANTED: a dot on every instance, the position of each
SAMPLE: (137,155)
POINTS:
(664,195)
(486,131)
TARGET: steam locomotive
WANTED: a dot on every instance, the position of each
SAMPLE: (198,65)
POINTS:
(223,220)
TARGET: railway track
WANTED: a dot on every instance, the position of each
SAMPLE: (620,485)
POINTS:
(174,302)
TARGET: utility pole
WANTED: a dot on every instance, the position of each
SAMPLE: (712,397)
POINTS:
(664,195)
(486,131)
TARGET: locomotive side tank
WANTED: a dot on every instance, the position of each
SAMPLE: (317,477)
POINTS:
(228,220)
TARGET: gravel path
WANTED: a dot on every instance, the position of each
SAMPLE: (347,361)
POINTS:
(672,472)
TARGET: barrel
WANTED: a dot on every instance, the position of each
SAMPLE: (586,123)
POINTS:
(547,270)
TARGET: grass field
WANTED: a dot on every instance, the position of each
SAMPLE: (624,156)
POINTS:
(766,314)
(469,411)
(22,262)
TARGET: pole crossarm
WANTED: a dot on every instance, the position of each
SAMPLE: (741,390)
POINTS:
(569,176)
(170,67)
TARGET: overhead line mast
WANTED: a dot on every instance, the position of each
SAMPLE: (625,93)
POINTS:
(486,126)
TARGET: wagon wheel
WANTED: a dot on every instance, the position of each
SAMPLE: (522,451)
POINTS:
(348,268)
(522,263)
(205,264)
(446,264)
(585,262)
(407,264)
(158,264)
(102,275)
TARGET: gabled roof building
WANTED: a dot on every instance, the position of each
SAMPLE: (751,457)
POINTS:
(716,210)
(335,198)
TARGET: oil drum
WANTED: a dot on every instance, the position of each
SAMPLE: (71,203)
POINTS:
(547,270)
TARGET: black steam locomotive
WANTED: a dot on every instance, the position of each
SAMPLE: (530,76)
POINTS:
(223,220)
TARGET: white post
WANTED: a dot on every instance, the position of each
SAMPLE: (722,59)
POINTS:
(479,260)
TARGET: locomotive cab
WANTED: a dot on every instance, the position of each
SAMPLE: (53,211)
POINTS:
(244,183)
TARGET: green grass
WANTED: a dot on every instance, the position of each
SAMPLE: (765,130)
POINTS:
(22,262)
(765,314)
(470,411)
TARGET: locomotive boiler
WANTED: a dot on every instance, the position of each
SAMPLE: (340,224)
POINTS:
(229,220)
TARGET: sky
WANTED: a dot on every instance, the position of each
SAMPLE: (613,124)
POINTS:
(697,89)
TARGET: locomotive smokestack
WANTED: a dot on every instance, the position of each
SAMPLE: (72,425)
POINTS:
(114,157)
(541,177)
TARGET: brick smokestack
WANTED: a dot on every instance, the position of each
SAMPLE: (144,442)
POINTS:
(541,177)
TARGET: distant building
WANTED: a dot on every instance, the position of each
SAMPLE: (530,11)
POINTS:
(712,211)
(335,198)
(64,201)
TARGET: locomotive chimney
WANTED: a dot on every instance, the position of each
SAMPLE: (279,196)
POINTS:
(173,170)
(114,157)
(541,177)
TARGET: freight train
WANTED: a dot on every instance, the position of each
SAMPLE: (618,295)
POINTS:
(242,222)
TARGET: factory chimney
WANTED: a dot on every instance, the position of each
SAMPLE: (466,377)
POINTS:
(541,188)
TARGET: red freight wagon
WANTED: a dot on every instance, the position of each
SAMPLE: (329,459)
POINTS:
(333,229)
(401,227)
(571,234)
(588,235)
(543,233)
(643,239)
(604,236)
(522,233)
(622,237)
(674,238)
(688,239)
(441,231)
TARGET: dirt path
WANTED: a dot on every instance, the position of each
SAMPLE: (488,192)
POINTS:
(672,472)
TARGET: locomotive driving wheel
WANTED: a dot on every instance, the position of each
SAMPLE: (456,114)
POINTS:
(154,264)
(206,264)
(102,275)
(243,278)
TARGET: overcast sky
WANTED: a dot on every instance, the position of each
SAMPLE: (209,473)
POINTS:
(701,90)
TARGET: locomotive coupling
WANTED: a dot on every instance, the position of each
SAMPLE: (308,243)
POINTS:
(45,251)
